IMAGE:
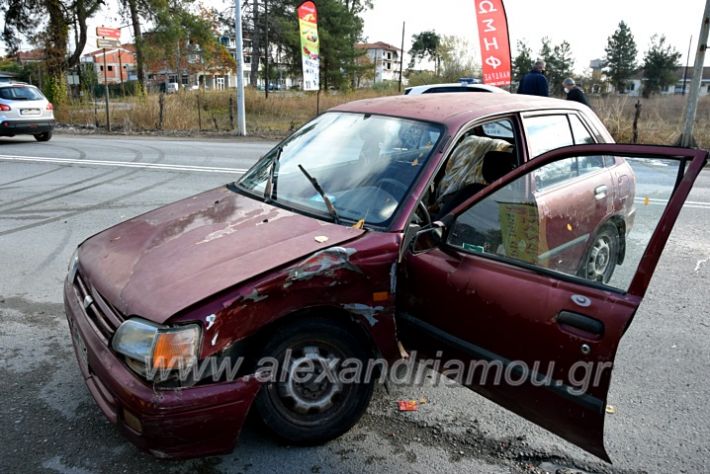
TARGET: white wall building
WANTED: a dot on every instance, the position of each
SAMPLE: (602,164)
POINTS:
(386,60)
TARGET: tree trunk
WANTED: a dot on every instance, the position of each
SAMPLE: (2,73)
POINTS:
(136,21)
(56,42)
(255,45)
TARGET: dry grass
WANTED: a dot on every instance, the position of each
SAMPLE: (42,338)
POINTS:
(660,120)
(207,112)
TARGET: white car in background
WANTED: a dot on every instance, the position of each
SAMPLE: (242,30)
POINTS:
(453,87)
(24,110)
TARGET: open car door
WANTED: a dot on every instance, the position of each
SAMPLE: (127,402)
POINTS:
(514,294)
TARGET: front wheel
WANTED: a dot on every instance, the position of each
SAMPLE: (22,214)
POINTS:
(43,137)
(308,400)
(600,261)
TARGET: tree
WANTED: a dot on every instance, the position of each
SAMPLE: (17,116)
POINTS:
(620,59)
(426,45)
(137,10)
(456,60)
(523,62)
(180,38)
(47,23)
(558,63)
(659,64)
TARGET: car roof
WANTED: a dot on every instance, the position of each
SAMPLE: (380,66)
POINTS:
(474,87)
(453,110)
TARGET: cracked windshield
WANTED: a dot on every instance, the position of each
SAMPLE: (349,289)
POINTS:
(346,166)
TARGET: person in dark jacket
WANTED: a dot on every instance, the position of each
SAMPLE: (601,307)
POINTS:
(534,82)
(574,92)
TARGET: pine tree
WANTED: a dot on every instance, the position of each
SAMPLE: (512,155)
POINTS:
(523,62)
(620,57)
(659,64)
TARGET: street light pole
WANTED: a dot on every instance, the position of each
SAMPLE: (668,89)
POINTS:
(691,108)
(241,119)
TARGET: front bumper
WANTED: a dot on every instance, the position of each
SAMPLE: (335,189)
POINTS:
(25,127)
(186,422)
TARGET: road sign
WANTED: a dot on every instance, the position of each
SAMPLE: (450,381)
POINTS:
(114,33)
(107,43)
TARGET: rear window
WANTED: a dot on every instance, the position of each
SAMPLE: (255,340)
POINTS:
(452,89)
(20,93)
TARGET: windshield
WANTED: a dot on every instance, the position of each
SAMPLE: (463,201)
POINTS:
(362,164)
(20,93)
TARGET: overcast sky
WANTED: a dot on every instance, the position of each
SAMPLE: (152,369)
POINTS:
(586,25)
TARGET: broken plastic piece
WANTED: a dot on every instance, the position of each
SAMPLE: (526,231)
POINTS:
(321,238)
(610,409)
(407,405)
(359,224)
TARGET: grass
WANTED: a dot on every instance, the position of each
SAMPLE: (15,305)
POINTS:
(660,120)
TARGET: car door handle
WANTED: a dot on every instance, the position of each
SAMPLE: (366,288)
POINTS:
(580,321)
(600,192)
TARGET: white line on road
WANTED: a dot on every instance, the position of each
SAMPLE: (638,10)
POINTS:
(123,164)
(663,202)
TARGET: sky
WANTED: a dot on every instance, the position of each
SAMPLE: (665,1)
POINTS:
(586,25)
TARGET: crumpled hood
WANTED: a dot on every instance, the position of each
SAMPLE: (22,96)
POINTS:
(161,262)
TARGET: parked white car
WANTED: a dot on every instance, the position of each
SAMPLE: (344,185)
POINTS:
(24,110)
(172,88)
(453,87)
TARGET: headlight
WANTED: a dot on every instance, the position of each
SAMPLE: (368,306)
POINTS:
(157,347)
(73,266)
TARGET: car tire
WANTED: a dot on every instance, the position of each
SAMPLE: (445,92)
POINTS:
(43,137)
(603,254)
(314,411)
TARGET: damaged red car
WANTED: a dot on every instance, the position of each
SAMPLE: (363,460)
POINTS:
(502,235)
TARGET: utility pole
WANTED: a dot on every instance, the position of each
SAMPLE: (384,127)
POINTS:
(108,111)
(241,119)
(266,48)
(686,139)
(120,73)
(401,58)
(687,65)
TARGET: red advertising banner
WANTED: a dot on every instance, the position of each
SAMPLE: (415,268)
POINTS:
(103,31)
(495,45)
(310,45)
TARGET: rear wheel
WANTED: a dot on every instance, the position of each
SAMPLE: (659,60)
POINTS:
(308,402)
(43,137)
(600,261)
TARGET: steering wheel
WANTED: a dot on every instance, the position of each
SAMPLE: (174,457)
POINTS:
(384,182)
(427,217)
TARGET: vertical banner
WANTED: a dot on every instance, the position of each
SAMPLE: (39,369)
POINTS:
(308,26)
(495,45)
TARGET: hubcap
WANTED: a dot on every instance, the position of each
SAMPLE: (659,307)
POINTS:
(312,385)
(599,259)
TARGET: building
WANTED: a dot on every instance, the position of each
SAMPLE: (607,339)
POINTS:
(386,60)
(683,76)
(113,66)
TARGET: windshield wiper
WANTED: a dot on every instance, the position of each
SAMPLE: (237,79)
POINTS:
(328,203)
(270,188)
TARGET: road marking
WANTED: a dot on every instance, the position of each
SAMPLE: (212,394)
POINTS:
(664,202)
(123,164)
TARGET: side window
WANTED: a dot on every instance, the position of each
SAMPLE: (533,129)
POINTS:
(589,164)
(571,232)
(579,131)
(547,132)
(486,153)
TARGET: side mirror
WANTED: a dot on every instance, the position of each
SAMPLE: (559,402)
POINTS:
(428,238)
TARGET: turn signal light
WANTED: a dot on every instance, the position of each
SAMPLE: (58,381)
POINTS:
(176,348)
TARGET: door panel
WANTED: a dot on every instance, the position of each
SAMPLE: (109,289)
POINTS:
(534,338)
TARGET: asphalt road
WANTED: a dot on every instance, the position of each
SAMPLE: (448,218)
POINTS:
(53,195)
